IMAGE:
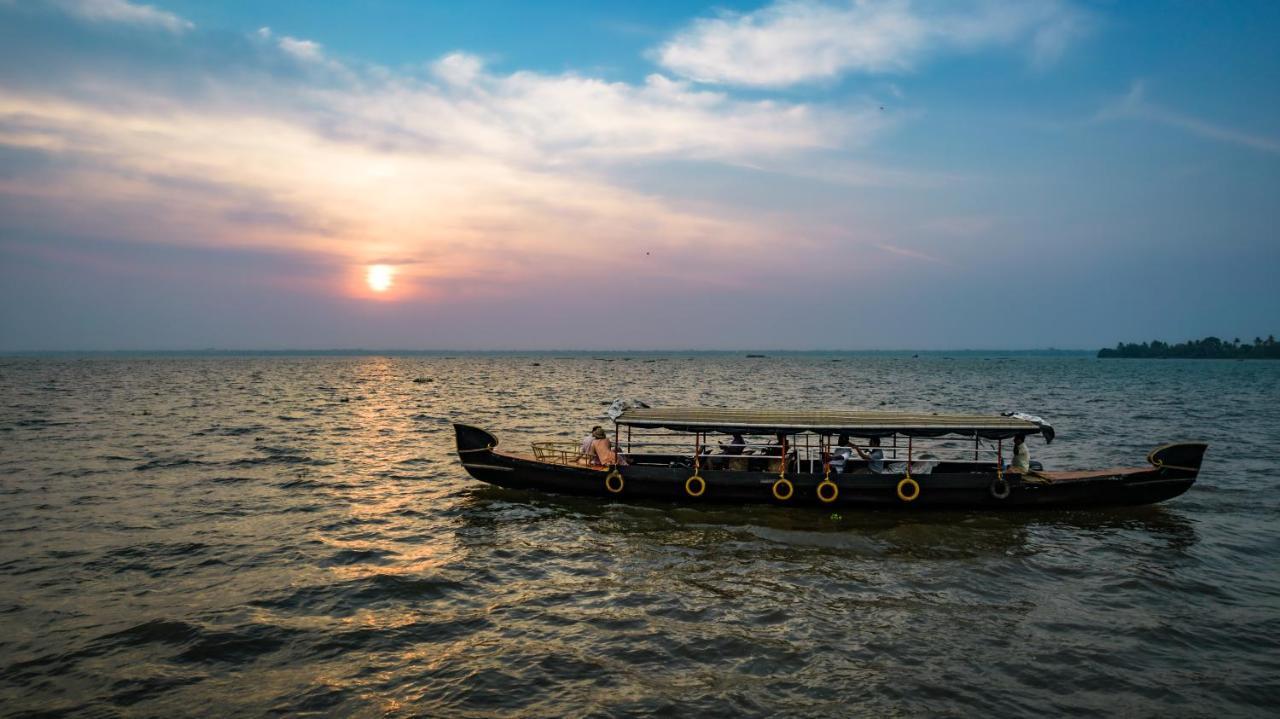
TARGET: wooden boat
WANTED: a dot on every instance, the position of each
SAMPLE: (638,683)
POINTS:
(797,458)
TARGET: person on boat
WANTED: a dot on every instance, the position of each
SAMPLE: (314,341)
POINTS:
(734,450)
(602,454)
(874,458)
(1021,455)
(734,446)
(841,454)
(586,441)
(780,450)
(775,448)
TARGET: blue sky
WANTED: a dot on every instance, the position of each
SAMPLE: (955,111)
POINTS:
(798,174)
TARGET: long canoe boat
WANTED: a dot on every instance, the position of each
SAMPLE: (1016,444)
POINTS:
(826,459)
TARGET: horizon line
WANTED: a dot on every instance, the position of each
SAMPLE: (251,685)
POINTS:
(525,350)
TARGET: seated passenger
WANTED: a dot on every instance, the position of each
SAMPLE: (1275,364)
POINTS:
(1021,455)
(734,447)
(775,450)
(602,454)
(873,458)
(734,450)
(586,443)
(841,454)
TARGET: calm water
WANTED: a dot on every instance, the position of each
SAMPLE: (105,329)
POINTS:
(293,535)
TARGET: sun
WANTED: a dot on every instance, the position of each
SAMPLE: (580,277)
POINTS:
(379,277)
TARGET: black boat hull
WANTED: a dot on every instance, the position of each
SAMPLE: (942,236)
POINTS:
(1172,471)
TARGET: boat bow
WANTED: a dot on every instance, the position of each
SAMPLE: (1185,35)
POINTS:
(473,440)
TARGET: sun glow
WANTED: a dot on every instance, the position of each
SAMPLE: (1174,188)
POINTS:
(379,277)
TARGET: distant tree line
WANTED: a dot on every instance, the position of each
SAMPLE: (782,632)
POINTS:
(1207,348)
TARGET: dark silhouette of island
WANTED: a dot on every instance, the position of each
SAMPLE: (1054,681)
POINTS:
(1207,348)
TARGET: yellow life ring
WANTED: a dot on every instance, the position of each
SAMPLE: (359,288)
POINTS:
(827,491)
(783,489)
(610,479)
(693,481)
(915,489)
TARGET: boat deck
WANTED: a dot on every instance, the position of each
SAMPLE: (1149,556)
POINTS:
(531,457)
(1089,473)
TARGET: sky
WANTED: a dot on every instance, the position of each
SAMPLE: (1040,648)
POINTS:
(798,174)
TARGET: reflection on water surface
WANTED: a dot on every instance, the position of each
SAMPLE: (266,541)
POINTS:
(291,535)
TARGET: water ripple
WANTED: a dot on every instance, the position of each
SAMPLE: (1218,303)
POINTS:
(294,535)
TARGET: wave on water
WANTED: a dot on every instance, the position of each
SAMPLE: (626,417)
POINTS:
(293,535)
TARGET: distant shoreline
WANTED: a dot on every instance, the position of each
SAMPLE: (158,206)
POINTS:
(1207,348)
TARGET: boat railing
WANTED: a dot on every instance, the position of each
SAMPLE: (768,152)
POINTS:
(803,448)
(559,452)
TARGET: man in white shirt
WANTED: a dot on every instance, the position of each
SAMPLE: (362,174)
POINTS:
(841,454)
(1021,455)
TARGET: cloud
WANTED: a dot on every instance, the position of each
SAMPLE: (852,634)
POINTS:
(308,51)
(491,185)
(458,68)
(478,182)
(302,49)
(905,252)
(534,117)
(124,12)
(803,41)
(1134,105)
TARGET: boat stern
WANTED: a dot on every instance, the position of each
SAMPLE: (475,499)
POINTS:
(1178,460)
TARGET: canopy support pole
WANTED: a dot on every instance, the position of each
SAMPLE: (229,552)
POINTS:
(697,450)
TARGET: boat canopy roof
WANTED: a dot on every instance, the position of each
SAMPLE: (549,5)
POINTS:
(852,422)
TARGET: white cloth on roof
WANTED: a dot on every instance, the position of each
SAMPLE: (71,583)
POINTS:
(621,405)
(1046,429)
